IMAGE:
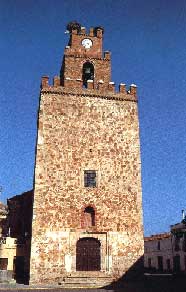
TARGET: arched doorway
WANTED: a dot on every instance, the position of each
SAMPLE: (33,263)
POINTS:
(88,73)
(88,256)
(89,217)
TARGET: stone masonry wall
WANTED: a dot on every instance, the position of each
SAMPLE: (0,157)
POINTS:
(80,131)
(76,55)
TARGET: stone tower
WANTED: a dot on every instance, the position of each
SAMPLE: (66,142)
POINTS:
(87,213)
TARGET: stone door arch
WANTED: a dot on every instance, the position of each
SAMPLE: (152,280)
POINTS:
(88,255)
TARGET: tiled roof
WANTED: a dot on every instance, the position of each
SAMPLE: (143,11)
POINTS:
(157,236)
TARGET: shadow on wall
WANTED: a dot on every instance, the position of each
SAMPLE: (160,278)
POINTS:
(20,227)
(134,280)
(134,274)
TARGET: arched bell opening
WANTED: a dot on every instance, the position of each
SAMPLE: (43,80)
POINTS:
(88,73)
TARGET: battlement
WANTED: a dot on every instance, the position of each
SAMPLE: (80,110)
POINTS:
(101,88)
(85,66)
(83,43)
(74,27)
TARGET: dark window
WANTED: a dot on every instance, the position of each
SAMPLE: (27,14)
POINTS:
(88,73)
(160,263)
(184,243)
(185,262)
(158,245)
(176,263)
(177,244)
(149,263)
(90,178)
(168,265)
(3,263)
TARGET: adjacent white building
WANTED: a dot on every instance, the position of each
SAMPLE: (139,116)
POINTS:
(178,232)
(158,252)
(166,252)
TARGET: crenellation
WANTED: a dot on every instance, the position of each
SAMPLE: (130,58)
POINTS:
(83,30)
(99,32)
(111,86)
(107,55)
(101,85)
(44,82)
(91,32)
(90,84)
(77,84)
(56,81)
(133,89)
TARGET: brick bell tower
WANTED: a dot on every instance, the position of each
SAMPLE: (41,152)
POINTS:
(87,214)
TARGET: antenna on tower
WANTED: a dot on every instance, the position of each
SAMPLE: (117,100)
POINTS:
(183,214)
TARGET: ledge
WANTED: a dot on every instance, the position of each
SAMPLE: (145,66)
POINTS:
(105,94)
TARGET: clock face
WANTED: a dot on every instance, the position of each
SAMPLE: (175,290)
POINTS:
(87,43)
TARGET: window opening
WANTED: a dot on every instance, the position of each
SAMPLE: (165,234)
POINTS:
(90,178)
(177,244)
(184,242)
(168,265)
(176,263)
(160,263)
(149,263)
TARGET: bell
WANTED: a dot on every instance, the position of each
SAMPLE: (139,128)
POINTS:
(87,70)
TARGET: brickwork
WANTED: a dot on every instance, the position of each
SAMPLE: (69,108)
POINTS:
(86,129)
(76,55)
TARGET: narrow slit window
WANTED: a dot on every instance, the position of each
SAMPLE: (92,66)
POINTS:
(90,178)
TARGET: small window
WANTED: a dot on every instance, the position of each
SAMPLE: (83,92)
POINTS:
(90,178)
(160,263)
(3,263)
(177,244)
(149,263)
(158,245)
(168,265)
(184,243)
(176,263)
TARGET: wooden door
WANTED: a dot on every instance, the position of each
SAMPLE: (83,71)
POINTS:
(88,254)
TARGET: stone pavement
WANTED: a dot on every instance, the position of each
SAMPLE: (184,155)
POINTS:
(148,284)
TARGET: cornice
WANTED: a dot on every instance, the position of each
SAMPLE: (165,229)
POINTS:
(89,93)
(85,56)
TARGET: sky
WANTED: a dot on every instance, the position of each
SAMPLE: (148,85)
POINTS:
(147,39)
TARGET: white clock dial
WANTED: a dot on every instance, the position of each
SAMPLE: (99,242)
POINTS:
(87,43)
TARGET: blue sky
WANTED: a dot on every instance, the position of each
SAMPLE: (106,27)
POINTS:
(147,39)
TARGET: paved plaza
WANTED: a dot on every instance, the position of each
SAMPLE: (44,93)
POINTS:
(148,284)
